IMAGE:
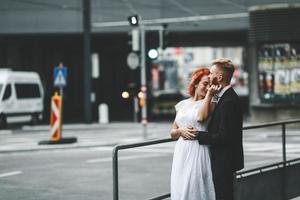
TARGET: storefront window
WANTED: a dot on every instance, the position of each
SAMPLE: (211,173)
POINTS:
(279,74)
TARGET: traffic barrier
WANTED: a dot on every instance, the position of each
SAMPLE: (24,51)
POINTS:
(55,118)
(56,123)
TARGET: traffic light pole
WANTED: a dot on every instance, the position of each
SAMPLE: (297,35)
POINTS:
(143,80)
(143,30)
(139,43)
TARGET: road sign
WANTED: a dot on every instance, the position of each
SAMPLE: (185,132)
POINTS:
(60,76)
(133,60)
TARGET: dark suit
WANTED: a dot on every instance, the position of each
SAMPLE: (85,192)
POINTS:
(225,139)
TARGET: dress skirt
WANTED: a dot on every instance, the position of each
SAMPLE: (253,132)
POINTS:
(191,177)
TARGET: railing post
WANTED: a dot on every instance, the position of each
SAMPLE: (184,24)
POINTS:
(284,161)
(115,174)
(283,144)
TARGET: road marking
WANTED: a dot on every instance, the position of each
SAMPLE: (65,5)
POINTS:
(101,148)
(139,150)
(151,150)
(10,174)
(109,159)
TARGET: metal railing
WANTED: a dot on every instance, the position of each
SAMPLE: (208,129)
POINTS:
(153,142)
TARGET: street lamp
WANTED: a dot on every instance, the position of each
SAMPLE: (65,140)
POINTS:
(125,95)
(131,95)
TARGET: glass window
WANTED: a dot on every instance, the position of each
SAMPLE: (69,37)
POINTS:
(27,91)
(7,92)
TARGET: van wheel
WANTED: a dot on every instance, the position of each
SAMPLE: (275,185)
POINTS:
(34,119)
(3,123)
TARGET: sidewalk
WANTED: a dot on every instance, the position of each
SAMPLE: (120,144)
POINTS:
(88,135)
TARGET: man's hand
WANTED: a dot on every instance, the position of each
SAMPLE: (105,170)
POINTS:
(188,133)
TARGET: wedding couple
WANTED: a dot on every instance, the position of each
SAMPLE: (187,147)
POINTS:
(208,127)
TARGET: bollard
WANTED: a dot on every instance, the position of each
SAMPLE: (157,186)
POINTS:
(103,113)
(56,124)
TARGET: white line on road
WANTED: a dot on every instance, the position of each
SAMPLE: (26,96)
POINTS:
(10,174)
(109,159)
(151,150)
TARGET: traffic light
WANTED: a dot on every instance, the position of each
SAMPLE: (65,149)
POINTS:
(141,98)
(133,20)
(153,54)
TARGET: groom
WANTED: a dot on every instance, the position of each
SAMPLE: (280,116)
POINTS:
(224,131)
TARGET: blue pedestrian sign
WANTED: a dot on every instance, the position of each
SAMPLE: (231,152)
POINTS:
(60,76)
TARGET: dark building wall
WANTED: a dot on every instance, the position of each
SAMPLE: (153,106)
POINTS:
(115,75)
(41,53)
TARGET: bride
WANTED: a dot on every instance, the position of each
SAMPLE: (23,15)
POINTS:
(191,177)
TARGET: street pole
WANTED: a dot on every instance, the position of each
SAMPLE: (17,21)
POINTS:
(87,60)
(143,30)
(61,91)
(161,40)
(135,109)
(143,80)
(133,20)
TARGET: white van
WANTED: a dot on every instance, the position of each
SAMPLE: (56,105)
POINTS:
(21,97)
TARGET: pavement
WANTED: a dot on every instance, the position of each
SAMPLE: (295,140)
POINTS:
(27,138)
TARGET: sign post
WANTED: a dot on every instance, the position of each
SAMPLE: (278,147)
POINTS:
(60,81)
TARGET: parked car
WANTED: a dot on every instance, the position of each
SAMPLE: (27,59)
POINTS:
(163,103)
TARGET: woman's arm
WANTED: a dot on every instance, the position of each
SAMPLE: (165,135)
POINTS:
(208,106)
(175,132)
(188,133)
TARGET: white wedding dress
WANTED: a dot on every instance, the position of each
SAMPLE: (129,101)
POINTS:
(191,177)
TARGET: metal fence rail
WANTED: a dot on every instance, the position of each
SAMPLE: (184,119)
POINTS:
(283,164)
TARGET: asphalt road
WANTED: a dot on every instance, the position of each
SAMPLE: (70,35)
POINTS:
(86,173)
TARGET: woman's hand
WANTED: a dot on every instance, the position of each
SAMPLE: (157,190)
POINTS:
(188,133)
(213,89)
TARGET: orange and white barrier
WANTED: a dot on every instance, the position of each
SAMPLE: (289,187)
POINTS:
(55,118)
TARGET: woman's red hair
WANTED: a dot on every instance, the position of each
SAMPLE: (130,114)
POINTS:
(196,78)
